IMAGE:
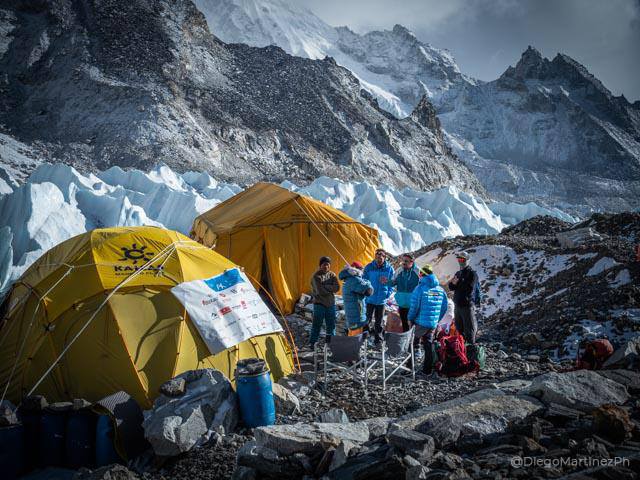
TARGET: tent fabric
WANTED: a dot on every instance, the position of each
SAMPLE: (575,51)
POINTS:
(140,338)
(273,233)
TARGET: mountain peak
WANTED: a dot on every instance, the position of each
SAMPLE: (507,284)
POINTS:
(531,64)
(403,31)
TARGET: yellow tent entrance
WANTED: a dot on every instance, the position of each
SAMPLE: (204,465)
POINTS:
(140,336)
(278,236)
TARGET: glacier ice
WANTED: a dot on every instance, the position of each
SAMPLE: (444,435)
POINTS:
(58,202)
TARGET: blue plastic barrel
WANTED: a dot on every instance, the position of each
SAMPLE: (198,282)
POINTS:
(80,439)
(256,400)
(31,423)
(52,445)
(105,450)
(11,452)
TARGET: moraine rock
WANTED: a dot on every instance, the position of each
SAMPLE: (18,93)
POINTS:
(483,412)
(286,402)
(626,356)
(581,389)
(177,424)
(335,415)
(412,443)
(309,438)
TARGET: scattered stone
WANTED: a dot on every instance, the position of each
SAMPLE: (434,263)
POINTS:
(176,387)
(341,454)
(613,423)
(627,356)
(286,402)
(296,384)
(502,355)
(415,444)
(378,426)
(109,472)
(244,473)
(532,339)
(580,389)
(177,424)
(269,462)
(628,378)
(309,438)
(335,415)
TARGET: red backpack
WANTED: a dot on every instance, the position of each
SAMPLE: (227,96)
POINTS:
(453,357)
(596,352)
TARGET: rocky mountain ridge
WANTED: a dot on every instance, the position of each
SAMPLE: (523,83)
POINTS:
(96,84)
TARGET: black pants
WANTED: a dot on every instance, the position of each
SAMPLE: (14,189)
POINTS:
(426,335)
(466,323)
(375,311)
(404,316)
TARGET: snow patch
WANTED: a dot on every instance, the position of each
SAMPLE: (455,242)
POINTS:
(605,263)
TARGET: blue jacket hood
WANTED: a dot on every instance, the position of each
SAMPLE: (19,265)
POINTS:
(347,272)
(430,280)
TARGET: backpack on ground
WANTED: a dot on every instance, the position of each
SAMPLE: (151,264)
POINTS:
(453,360)
(476,353)
(596,352)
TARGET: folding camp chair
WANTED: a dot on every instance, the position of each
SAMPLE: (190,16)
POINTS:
(396,353)
(348,354)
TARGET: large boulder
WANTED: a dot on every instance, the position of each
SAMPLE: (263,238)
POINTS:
(177,424)
(581,390)
(481,413)
(268,462)
(382,463)
(628,378)
(309,438)
(626,356)
(378,426)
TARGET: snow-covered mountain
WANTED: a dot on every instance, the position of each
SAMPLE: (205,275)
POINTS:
(545,131)
(392,65)
(135,82)
(57,202)
(548,128)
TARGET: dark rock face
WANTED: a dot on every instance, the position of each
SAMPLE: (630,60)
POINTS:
(130,83)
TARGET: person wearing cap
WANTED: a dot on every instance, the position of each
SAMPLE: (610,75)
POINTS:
(354,290)
(380,273)
(405,280)
(324,286)
(428,306)
(466,294)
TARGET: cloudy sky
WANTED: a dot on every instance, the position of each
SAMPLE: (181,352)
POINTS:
(486,36)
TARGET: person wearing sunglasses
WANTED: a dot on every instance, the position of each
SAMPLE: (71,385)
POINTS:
(380,273)
(466,296)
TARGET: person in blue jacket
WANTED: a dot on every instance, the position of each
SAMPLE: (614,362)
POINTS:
(354,290)
(428,306)
(405,279)
(380,273)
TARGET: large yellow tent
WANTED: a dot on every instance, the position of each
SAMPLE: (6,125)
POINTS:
(141,335)
(278,236)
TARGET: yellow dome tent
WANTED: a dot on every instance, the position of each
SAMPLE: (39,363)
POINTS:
(140,334)
(278,236)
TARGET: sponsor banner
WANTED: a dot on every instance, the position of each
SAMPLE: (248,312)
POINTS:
(226,309)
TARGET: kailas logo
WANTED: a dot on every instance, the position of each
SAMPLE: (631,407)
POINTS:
(136,257)
(136,254)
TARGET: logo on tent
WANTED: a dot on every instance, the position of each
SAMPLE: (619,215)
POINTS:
(136,254)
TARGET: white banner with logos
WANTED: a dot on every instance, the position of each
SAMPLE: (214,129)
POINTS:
(226,309)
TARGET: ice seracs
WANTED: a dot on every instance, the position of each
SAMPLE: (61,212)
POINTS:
(58,202)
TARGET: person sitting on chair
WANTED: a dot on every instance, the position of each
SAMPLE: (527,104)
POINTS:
(428,306)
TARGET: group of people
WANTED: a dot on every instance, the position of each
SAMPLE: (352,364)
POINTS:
(421,301)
